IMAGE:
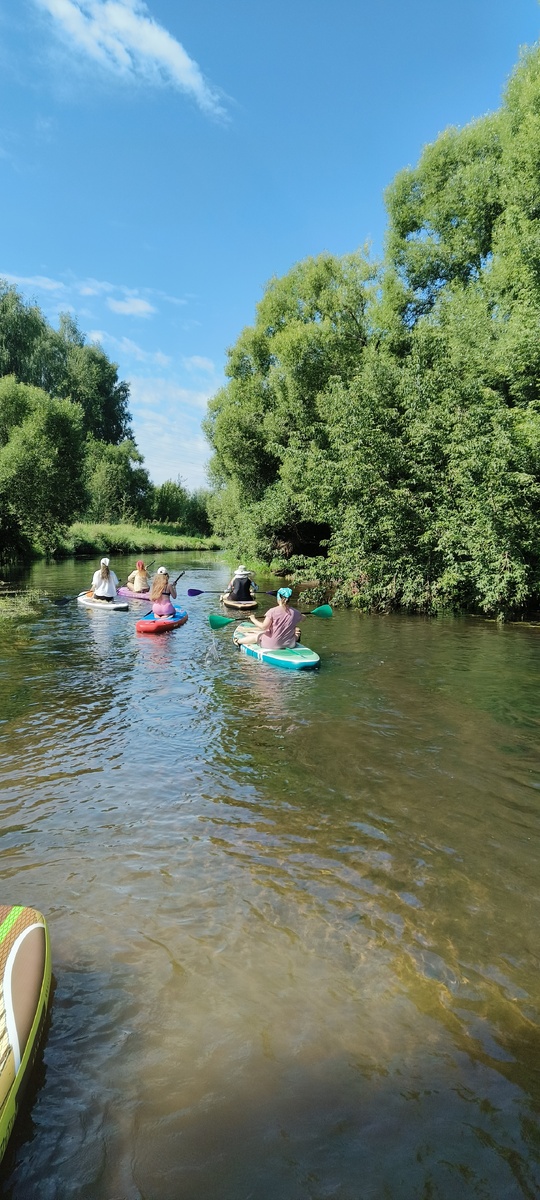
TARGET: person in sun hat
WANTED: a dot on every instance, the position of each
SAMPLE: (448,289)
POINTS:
(241,586)
(104,582)
(139,580)
(279,628)
(162,593)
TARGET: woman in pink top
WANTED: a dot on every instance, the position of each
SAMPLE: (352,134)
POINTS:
(162,594)
(279,625)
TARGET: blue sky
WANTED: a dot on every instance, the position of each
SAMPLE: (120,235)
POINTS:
(161,161)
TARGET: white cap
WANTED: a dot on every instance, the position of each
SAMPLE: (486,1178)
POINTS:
(105,562)
(162,571)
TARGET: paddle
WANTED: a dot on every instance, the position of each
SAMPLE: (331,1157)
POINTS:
(218,622)
(198,592)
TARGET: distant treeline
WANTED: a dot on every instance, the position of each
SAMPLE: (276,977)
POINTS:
(380,430)
(66,443)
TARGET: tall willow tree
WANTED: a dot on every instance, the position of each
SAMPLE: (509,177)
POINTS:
(396,415)
(311,327)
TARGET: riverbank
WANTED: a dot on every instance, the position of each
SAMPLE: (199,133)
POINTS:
(85,538)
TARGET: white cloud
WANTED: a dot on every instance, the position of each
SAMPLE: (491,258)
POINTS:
(130,349)
(128,300)
(196,363)
(132,307)
(124,38)
(166,422)
(165,392)
(41,282)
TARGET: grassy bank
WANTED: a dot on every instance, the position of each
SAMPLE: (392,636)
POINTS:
(83,538)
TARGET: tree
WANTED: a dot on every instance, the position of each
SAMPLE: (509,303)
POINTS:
(118,487)
(380,430)
(311,326)
(64,365)
(41,467)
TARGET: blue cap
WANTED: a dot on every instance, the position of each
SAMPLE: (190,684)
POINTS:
(284,593)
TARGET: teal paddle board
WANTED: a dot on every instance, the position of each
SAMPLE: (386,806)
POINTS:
(299,658)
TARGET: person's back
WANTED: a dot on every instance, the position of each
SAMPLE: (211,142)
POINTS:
(162,594)
(104,582)
(240,586)
(138,580)
(281,633)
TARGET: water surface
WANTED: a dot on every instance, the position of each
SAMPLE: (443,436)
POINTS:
(294,917)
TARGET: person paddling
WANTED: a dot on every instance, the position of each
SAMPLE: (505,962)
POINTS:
(241,587)
(104,582)
(280,625)
(162,593)
(139,579)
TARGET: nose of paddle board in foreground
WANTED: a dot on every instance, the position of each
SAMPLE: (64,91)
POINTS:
(25,974)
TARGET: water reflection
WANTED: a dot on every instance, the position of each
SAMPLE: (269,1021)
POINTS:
(292,916)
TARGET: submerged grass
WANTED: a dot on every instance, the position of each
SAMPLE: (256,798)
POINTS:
(23,604)
(86,538)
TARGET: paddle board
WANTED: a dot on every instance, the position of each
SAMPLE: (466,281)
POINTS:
(297,658)
(152,624)
(241,604)
(127,592)
(89,601)
(25,974)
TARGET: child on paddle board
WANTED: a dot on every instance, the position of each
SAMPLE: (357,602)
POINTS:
(162,593)
(139,580)
(104,582)
(241,587)
(280,625)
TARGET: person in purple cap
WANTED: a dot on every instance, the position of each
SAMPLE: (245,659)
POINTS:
(279,628)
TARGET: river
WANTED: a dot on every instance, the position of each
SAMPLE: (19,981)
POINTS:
(294,916)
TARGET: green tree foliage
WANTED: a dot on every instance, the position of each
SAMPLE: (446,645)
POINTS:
(41,464)
(311,325)
(173,504)
(381,431)
(63,364)
(118,487)
(53,385)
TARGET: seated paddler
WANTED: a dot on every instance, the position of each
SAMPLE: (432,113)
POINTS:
(104,582)
(241,586)
(279,628)
(162,594)
(139,579)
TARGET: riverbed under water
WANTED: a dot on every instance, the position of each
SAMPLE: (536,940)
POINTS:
(294,916)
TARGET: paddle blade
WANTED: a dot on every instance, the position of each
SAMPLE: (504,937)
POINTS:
(217,622)
(194,592)
(324,610)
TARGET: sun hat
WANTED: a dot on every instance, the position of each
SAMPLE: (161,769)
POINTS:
(162,571)
(105,562)
(239,571)
(284,593)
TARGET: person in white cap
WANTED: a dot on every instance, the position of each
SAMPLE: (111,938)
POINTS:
(241,586)
(162,593)
(104,582)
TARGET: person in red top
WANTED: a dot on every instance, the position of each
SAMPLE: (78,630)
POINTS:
(279,627)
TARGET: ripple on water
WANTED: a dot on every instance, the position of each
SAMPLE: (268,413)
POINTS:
(293,918)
